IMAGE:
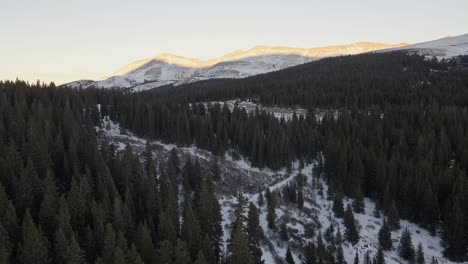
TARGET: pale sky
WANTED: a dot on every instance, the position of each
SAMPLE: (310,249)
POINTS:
(65,40)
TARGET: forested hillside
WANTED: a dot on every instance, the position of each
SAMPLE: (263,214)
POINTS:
(396,130)
(393,128)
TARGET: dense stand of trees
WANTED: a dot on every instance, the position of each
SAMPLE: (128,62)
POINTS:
(395,129)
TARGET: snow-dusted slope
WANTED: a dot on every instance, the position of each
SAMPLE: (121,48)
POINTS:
(303,225)
(172,69)
(443,48)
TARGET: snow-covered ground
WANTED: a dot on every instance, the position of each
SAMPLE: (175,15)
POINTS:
(443,48)
(317,214)
(249,106)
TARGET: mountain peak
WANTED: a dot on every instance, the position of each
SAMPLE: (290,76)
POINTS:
(168,68)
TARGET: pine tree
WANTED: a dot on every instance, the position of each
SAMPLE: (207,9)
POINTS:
(284,232)
(201,258)
(239,248)
(165,253)
(356,258)
(289,257)
(380,258)
(351,233)
(406,248)
(133,257)
(367,258)
(420,255)
(393,217)
(338,236)
(309,254)
(144,244)
(338,208)
(181,253)
(358,202)
(254,233)
(73,253)
(385,236)
(300,199)
(271,214)
(340,256)
(33,247)
(454,233)
(109,244)
(191,232)
(261,200)
(6,246)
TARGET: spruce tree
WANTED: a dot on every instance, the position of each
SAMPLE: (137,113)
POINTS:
(340,255)
(201,258)
(33,247)
(406,248)
(254,233)
(393,216)
(6,246)
(300,198)
(367,258)
(191,232)
(338,208)
(271,205)
(144,244)
(289,258)
(284,232)
(420,255)
(385,236)
(351,233)
(260,200)
(165,252)
(239,248)
(454,233)
(309,254)
(380,258)
(181,253)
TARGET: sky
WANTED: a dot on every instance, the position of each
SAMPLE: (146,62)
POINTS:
(67,40)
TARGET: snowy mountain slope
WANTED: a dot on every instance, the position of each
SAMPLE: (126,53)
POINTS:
(443,48)
(317,215)
(172,69)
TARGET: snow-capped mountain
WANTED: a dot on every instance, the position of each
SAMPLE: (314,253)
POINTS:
(172,69)
(443,48)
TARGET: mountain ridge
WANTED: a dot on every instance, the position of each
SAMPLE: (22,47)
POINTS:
(167,68)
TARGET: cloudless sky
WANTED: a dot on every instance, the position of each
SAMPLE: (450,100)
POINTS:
(66,40)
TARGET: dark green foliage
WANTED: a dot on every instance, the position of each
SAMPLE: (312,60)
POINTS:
(420,255)
(284,232)
(271,206)
(201,258)
(406,248)
(393,216)
(385,236)
(338,207)
(254,233)
(398,136)
(454,230)
(289,258)
(380,258)
(261,200)
(239,248)
(33,247)
(351,233)
(340,255)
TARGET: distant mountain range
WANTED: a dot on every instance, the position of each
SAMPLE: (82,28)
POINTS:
(443,48)
(172,69)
